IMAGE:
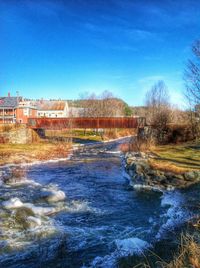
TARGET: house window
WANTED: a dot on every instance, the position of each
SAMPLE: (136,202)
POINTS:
(26,110)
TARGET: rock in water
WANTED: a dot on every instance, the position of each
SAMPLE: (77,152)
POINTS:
(21,215)
(40,210)
(192,176)
(12,203)
(55,196)
(33,221)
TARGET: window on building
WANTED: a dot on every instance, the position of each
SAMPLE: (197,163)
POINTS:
(26,111)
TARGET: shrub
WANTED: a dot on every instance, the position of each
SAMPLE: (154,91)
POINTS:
(188,255)
(178,133)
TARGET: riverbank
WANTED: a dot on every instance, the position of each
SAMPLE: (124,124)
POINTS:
(177,158)
(165,167)
(183,250)
(14,154)
(30,153)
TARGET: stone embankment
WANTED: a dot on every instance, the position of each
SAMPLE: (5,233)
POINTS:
(143,176)
(19,134)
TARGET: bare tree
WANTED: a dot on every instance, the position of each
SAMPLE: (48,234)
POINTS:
(192,75)
(103,105)
(159,109)
(192,83)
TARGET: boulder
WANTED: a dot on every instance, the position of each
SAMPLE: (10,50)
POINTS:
(192,176)
(21,215)
(54,196)
(142,174)
(12,203)
(130,160)
(33,221)
(41,210)
(160,178)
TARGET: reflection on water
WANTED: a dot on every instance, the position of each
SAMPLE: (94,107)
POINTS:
(83,213)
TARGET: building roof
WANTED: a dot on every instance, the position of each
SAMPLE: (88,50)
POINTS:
(52,106)
(27,104)
(9,102)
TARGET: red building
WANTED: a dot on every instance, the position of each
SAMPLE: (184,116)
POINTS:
(24,110)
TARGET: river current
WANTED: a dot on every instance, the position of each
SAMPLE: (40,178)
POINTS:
(99,218)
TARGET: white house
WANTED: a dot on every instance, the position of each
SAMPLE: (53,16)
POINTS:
(53,109)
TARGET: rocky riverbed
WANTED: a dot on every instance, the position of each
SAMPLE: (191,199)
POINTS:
(143,176)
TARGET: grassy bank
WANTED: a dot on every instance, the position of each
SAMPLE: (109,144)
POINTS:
(27,153)
(176,158)
(89,134)
(56,145)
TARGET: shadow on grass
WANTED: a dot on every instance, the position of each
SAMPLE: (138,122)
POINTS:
(180,162)
(73,139)
(85,141)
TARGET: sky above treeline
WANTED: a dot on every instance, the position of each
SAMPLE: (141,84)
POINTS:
(63,48)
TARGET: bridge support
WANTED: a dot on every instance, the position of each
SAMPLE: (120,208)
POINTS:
(40,132)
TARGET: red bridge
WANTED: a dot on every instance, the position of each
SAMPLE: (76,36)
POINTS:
(86,122)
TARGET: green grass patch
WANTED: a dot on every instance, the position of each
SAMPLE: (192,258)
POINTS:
(183,156)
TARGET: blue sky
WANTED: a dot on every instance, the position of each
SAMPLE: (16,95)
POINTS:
(60,49)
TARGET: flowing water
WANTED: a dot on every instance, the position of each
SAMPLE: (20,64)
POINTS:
(101,220)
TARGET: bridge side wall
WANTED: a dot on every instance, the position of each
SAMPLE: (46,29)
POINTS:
(95,123)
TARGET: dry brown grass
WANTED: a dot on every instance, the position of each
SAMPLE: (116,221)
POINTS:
(167,166)
(137,145)
(117,133)
(125,147)
(26,153)
(188,255)
(10,127)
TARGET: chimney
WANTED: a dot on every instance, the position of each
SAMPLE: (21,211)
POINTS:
(8,94)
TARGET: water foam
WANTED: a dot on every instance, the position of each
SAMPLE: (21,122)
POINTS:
(15,202)
(54,195)
(131,246)
(124,247)
(176,213)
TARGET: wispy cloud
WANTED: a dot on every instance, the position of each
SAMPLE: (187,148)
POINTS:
(150,79)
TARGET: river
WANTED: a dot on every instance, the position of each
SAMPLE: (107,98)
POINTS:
(101,221)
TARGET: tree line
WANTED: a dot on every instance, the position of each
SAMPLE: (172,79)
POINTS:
(166,122)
